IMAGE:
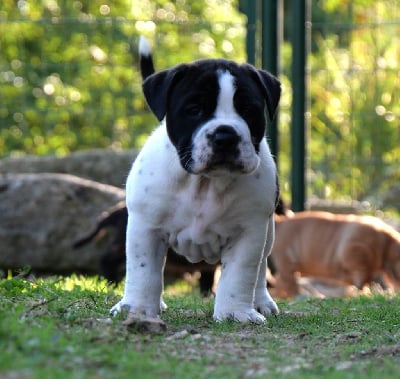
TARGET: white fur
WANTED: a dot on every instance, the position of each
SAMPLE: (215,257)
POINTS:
(227,217)
(144,47)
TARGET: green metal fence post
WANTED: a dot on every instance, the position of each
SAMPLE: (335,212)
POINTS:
(249,8)
(298,127)
(271,32)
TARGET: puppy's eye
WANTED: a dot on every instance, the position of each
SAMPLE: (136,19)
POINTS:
(194,110)
(250,110)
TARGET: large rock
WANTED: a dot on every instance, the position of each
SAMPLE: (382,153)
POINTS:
(41,215)
(101,165)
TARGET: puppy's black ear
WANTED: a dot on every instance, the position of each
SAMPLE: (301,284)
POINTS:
(156,89)
(271,88)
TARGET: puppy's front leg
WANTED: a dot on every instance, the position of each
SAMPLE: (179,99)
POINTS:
(145,258)
(236,287)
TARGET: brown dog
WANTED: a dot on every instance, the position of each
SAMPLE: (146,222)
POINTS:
(348,248)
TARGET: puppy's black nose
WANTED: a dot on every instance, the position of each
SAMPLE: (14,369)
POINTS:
(224,137)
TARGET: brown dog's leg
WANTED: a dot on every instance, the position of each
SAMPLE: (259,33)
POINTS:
(358,263)
(286,284)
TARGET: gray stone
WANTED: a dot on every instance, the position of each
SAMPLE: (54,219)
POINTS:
(101,165)
(41,215)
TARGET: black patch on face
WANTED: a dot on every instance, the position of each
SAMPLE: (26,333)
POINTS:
(249,104)
(191,104)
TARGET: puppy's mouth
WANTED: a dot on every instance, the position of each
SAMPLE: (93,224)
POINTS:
(221,165)
(225,161)
(220,152)
(215,166)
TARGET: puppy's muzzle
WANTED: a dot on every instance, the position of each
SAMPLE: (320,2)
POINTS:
(224,144)
(224,139)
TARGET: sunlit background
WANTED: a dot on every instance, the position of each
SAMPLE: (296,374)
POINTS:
(69,81)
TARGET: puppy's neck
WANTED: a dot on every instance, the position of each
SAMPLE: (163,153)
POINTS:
(202,187)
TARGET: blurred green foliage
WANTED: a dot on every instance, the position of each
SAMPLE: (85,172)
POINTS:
(354,150)
(69,80)
(69,75)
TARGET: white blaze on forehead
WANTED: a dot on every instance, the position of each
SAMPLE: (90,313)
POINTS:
(226,91)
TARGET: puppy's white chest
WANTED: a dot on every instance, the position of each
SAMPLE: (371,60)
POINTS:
(200,228)
(198,245)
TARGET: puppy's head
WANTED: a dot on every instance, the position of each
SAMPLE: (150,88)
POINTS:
(215,113)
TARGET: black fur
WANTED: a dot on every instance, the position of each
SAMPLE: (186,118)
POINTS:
(146,66)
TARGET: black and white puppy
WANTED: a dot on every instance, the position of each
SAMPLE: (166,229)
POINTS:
(204,184)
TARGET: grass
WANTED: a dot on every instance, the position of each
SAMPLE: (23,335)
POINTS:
(59,328)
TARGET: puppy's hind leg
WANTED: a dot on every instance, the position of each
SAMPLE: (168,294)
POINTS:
(263,301)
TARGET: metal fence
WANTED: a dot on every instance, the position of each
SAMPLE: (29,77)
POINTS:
(70,83)
(354,139)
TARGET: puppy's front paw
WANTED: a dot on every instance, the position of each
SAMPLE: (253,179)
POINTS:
(246,315)
(144,310)
(268,308)
(118,308)
(265,304)
(163,306)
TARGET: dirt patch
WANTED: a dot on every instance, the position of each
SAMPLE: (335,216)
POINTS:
(381,351)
